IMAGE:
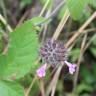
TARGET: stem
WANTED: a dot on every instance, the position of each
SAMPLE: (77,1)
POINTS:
(53,83)
(45,27)
(56,9)
(53,13)
(2,19)
(72,39)
(61,25)
(55,79)
(79,62)
(44,8)
(30,87)
(2,4)
(42,87)
(88,44)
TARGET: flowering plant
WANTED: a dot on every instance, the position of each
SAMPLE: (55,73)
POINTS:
(54,53)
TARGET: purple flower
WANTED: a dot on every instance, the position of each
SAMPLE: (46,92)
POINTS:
(41,72)
(54,52)
(72,67)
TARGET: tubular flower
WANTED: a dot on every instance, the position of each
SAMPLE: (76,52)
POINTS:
(71,67)
(41,72)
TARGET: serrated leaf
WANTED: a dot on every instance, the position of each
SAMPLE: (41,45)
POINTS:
(22,52)
(8,88)
(76,7)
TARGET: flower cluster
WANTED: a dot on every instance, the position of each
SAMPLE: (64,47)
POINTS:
(54,53)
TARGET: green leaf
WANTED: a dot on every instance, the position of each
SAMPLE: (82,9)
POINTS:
(76,7)
(94,69)
(22,52)
(8,88)
(87,75)
(93,3)
(24,3)
(74,54)
(83,87)
(93,50)
(93,39)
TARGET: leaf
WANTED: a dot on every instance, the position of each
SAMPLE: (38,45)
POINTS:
(24,3)
(93,50)
(87,75)
(83,87)
(22,52)
(76,7)
(93,3)
(74,54)
(94,69)
(93,39)
(9,88)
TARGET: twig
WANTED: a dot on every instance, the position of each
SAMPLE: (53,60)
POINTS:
(42,87)
(72,39)
(23,17)
(5,23)
(79,62)
(61,25)
(30,87)
(54,82)
(57,9)
(45,27)
(83,32)
(88,44)
(54,11)
(33,81)
(44,8)
(2,4)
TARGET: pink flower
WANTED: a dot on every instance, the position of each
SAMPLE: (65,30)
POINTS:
(71,67)
(41,72)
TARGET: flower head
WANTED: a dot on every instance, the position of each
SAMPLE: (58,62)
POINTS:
(53,52)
